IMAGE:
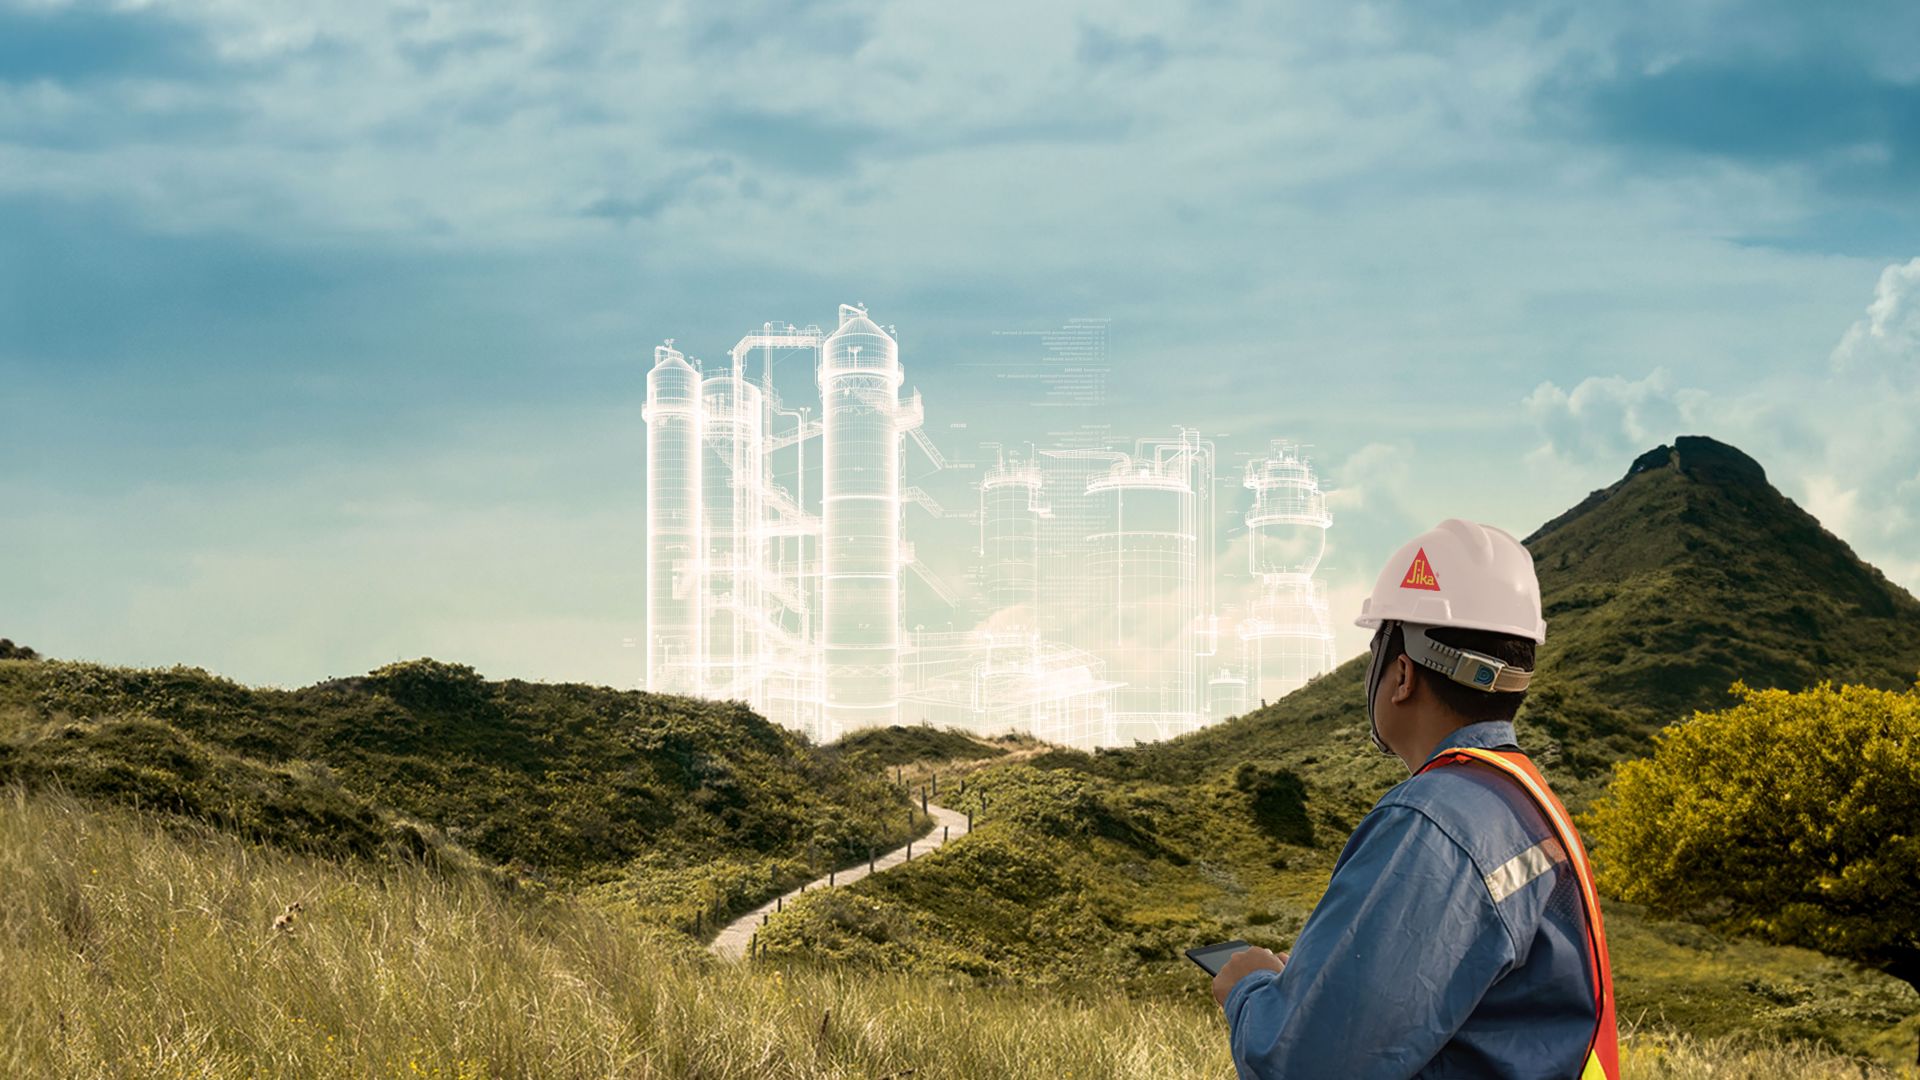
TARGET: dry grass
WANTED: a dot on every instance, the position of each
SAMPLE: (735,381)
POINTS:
(130,951)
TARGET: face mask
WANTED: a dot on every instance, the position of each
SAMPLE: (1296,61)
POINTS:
(1376,670)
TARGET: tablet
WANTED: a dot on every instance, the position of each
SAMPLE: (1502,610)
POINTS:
(1214,957)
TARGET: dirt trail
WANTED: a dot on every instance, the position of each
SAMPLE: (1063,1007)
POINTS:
(732,942)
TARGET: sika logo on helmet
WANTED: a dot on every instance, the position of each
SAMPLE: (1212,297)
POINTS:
(1420,574)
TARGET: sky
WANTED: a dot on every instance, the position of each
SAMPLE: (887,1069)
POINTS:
(323,329)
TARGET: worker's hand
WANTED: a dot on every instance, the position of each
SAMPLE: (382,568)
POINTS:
(1242,964)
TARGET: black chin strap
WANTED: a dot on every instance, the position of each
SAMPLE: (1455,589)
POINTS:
(1376,670)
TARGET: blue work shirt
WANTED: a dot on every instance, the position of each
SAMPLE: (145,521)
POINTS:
(1451,942)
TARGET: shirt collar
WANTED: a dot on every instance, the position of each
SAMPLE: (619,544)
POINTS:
(1480,736)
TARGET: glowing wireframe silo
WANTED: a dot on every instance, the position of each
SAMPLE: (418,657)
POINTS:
(732,528)
(1226,696)
(1069,609)
(860,560)
(672,415)
(1144,563)
(1010,545)
(1288,638)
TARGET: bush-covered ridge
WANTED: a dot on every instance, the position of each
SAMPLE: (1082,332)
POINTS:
(10,651)
(900,745)
(571,783)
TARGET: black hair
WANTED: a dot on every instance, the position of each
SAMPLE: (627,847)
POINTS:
(1472,706)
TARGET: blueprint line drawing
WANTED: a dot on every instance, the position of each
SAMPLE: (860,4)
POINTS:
(1100,608)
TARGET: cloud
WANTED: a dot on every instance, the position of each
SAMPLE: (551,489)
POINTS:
(430,54)
(83,44)
(1869,474)
(1611,418)
(1141,54)
(786,27)
(789,141)
(1888,336)
(676,186)
(1831,115)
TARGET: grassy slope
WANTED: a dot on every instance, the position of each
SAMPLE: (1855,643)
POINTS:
(673,804)
(131,950)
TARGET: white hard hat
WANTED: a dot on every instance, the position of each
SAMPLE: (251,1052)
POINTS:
(1459,573)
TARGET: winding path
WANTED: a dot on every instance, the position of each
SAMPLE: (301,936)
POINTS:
(732,942)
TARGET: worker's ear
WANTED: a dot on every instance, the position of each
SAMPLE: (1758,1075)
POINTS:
(1400,684)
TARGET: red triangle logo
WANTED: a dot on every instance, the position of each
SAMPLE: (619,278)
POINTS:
(1420,574)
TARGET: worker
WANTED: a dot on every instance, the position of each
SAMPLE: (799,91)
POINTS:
(1460,934)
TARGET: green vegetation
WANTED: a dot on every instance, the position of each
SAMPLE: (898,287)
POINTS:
(127,949)
(633,793)
(1066,881)
(899,745)
(1790,817)
(10,651)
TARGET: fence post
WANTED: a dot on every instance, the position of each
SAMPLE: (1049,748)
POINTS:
(869,858)
(969,821)
(778,901)
(943,834)
(830,874)
(909,851)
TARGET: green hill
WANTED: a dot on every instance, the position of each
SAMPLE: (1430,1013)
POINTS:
(1660,591)
(682,806)
(898,745)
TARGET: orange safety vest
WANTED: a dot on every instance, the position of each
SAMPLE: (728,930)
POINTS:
(1603,1049)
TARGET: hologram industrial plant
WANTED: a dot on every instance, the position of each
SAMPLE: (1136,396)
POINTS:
(1099,609)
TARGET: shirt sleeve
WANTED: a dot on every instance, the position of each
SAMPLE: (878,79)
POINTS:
(1388,966)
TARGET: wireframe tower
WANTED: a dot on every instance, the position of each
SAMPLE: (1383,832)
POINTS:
(1288,639)
(674,548)
(1010,517)
(1226,695)
(1151,566)
(732,484)
(860,378)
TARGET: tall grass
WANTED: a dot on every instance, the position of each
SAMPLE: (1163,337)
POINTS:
(133,949)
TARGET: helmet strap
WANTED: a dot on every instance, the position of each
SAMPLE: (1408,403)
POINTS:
(1376,670)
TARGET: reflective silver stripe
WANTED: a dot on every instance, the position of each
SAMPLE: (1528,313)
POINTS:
(1524,867)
